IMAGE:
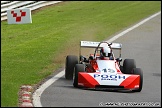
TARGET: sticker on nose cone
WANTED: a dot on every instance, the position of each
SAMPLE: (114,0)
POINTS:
(109,77)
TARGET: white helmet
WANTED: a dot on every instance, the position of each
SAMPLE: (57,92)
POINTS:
(105,52)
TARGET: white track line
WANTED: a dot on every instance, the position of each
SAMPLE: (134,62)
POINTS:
(39,91)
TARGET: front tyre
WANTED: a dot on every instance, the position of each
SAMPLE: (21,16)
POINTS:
(78,68)
(138,71)
(128,65)
(71,60)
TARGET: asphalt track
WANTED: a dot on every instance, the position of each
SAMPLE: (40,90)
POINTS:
(142,44)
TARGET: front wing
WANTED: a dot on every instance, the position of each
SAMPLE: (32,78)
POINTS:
(108,81)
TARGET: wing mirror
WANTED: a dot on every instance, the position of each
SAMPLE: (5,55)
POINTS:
(119,59)
(83,59)
(91,57)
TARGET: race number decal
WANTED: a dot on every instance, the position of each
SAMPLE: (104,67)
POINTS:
(108,70)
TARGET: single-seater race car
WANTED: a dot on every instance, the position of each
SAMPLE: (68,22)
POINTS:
(98,73)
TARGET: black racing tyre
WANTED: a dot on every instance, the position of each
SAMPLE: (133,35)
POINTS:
(71,61)
(138,71)
(78,68)
(121,68)
(128,65)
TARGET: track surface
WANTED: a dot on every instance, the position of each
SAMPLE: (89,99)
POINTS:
(142,44)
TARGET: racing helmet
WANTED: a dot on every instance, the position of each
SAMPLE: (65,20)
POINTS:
(105,52)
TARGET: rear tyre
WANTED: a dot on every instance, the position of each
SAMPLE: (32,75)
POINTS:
(71,60)
(128,65)
(78,68)
(138,71)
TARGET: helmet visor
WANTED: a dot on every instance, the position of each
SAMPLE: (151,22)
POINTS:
(106,54)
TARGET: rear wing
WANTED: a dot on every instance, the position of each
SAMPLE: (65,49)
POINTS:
(91,44)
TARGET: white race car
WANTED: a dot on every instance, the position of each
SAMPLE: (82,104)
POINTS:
(94,72)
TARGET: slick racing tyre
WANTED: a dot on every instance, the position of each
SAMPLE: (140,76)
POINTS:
(78,68)
(138,71)
(128,65)
(71,60)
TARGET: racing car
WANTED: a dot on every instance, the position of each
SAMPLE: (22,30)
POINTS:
(96,73)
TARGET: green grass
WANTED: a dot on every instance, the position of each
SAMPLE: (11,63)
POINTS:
(31,52)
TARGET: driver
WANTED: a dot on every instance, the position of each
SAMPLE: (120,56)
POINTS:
(105,53)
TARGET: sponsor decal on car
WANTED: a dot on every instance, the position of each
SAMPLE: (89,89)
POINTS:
(109,77)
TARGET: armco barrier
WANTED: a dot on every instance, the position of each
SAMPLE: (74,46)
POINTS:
(33,5)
